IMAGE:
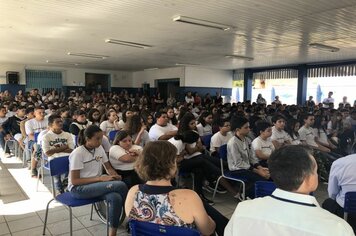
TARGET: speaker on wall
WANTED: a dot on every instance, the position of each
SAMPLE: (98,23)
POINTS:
(12,77)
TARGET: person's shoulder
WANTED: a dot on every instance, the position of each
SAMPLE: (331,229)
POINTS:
(185,195)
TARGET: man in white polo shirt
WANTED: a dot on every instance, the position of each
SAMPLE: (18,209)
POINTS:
(290,210)
(162,130)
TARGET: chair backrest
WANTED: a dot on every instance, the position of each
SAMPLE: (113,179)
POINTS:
(223,152)
(350,202)
(112,135)
(206,141)
(264,188)
(140,228)
(59,165)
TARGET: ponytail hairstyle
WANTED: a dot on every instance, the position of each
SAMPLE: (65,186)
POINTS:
(87,133)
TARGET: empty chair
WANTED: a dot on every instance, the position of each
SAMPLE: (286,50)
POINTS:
(140,228)
(350,204)
(112,135)
(206,141)
(264,188)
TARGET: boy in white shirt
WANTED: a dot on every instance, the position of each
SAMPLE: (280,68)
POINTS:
(57,143)
(262,146)
(279,136)
(220,138)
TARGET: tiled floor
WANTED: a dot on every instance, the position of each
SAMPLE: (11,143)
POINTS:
(22,208)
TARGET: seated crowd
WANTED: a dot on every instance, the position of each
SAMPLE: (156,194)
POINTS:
(145,142)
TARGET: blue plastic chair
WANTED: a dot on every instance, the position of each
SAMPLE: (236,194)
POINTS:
(228,174)
(206,141)
(350,204)
(264,188)
(59,166)
(112,135)
(140,228)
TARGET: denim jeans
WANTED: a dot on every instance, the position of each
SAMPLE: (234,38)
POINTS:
(113,192)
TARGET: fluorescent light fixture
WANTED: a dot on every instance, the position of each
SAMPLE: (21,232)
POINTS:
(96,56)
(324,47)
(186,64)
(126,43)
(240,57)
(151,69)
(64,63)
(205,23)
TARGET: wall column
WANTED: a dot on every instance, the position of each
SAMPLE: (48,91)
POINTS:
(247,84)
(302,84)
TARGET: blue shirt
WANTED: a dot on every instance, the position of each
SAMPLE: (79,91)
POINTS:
(342,178)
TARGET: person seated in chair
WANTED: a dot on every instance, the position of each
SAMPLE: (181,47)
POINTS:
(158,201)
(290,210)
(86,181)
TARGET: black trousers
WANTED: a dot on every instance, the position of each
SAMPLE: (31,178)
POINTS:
(332,206)
(202,169)
(129,177)
(220,220)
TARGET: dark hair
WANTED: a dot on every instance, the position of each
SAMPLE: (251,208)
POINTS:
(305,116)
(159,114)
(278,117)
(87,133)
(262,126)
(52,118)
(189,137)
(290,128)
(237,122)
(80,112)
(202,117)
(90,115)
(156,161)
(174,119)
(133,125)
(29,110)
(221,122)
(184,122)
(290,165)
(120,135)
(124,114)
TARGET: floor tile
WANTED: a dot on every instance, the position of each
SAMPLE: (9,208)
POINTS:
(85,220)
(26,223)
(2,219)
(4,229)
(32,232)
(17,217)
(55,216)
(83,210)
(98,230)
(62,227)
(81,232)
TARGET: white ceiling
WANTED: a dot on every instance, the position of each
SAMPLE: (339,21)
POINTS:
(273,32)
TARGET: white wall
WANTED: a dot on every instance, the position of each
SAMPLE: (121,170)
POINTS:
(71,76)
(149,76)
(201,77)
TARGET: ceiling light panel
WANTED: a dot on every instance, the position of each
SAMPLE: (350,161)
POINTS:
(127,43)
(324,47)
(200,22)
(89,55)
(240,57)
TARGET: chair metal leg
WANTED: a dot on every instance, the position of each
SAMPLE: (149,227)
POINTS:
(178,181)
(46,216)
(243,195)
(91,211)
(70,221)
(193,179)
(216,186)
(345,216)
(107,218)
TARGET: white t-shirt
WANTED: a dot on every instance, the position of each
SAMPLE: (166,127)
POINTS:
(116,152)
(52,140)
(307,135)
(217,140)
(106,127)
(327,100)
(280,136)
(206,130)
(3,119)
(266,146)
(157,131)
(178,144)
(105,143)
(145,138)
(88,162)
(121,124)
(323,138)
(34,126)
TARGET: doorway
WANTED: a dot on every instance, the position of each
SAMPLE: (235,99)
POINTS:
(97,83)
(167,87)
